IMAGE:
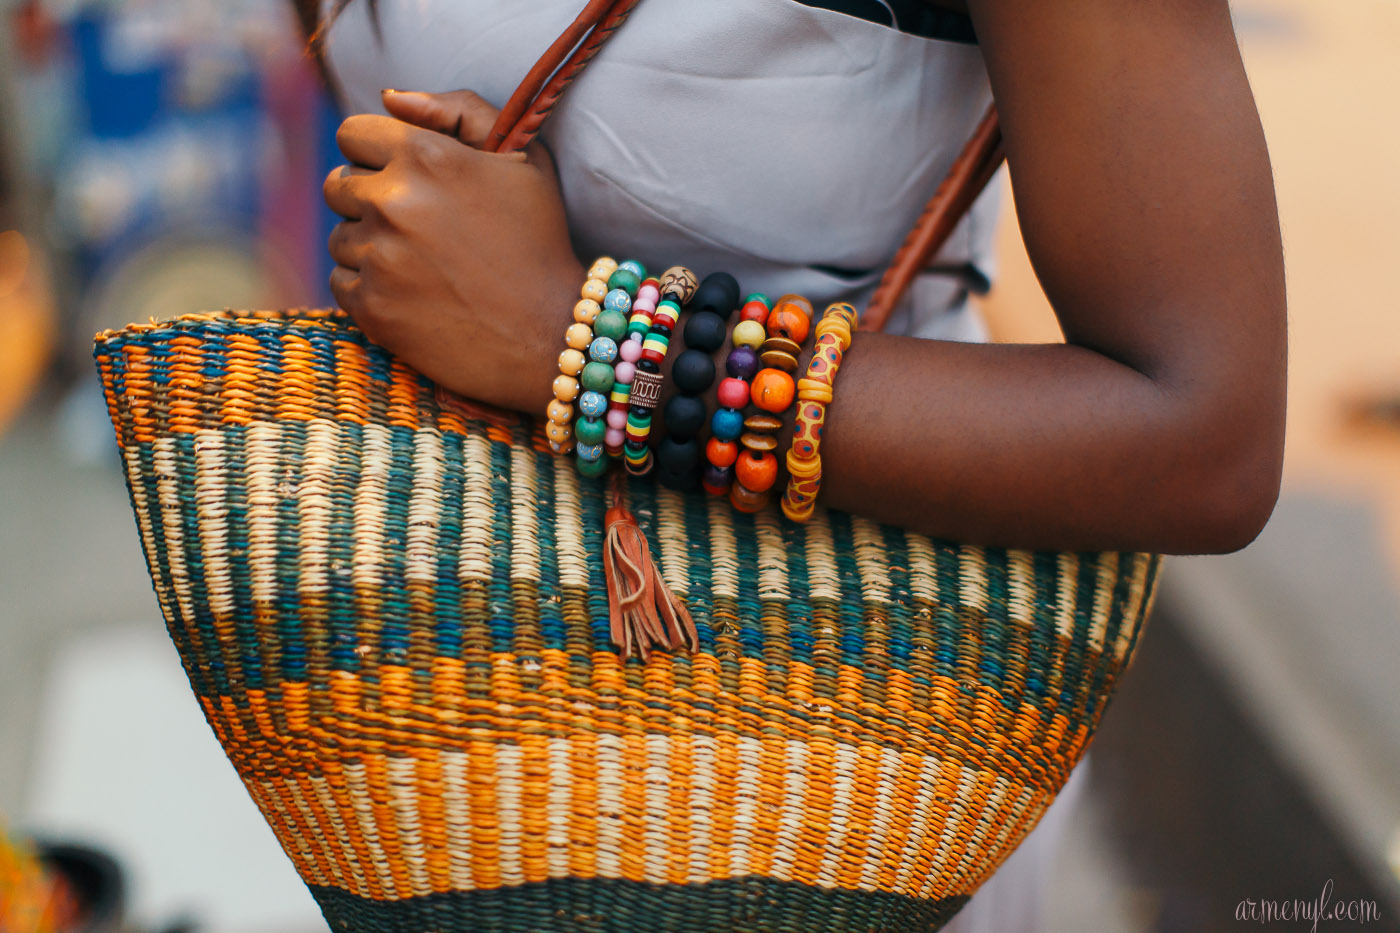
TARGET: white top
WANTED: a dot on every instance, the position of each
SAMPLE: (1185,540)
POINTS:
(791,146)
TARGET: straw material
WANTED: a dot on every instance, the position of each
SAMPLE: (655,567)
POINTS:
(394,616)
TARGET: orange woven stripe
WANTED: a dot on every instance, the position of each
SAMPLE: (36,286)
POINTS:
(416,725)
(485,828)
(583,815)
(241,380)
(403,397)
(352,382)
(186,391)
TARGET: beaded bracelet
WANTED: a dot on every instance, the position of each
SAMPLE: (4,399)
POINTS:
(773,392)
(676,289)
(624,285)
(727,423)
(579,336)
(625,370)
(814,393)
(679,454)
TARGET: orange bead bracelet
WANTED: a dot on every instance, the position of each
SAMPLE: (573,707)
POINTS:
(814,393)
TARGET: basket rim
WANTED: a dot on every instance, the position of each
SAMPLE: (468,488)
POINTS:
(307,316)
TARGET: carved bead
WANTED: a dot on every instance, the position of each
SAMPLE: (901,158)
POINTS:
(646,389)
(679,281)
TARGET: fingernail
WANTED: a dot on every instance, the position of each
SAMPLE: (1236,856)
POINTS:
(391,90)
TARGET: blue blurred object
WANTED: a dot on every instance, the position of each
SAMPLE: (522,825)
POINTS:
(198,130)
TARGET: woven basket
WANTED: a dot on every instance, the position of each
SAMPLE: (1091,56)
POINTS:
(395,620)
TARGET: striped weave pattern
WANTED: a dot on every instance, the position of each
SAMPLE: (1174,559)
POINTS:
(394,618)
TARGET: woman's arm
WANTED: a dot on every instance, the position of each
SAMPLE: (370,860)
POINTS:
(1145,195)
(1146,200)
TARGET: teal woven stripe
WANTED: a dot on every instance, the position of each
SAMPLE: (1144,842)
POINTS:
(927,639)
(744,905)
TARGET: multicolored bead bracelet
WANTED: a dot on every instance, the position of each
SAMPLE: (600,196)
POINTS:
(814,393)
(625,370)
(573,361)
(727,423)
(679,455)
(676,290)
(772,392)
(599,374)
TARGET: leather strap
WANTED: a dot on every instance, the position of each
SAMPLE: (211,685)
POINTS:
(525,95)
(971,171)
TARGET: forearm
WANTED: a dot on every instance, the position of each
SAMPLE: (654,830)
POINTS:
(1052,446)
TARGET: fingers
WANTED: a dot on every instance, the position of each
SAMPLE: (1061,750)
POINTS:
(348,289)
(344,190)
(370,140)
(460,114)
(347,244)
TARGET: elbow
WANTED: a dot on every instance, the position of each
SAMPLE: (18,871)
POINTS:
(1233,497)
(1242,505)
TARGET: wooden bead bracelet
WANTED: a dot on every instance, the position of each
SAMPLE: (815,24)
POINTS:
(814,393)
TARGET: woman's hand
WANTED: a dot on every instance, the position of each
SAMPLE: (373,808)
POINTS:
(456,260)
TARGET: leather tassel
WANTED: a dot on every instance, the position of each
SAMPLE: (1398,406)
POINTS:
(643,613)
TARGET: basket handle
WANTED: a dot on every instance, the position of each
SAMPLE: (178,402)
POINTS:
(523,115)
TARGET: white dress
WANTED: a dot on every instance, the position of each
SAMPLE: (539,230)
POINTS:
(791,146)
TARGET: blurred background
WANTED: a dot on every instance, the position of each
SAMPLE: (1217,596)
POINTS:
(160,157)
